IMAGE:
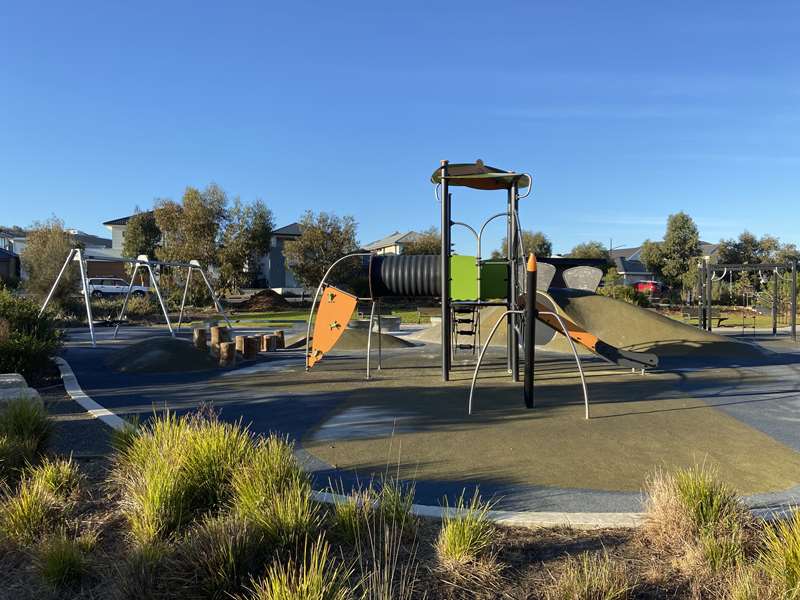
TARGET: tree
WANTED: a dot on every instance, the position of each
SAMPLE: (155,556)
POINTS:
(748,249)
(47,247)
(534,242)
(671,258)
(591,249)
(426,242)
(325,238)
(245,239)
(142,235)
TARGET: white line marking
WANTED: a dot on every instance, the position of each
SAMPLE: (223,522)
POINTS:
(76,393)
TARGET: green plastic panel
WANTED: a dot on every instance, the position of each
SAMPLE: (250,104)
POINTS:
(464,280)
(494,280)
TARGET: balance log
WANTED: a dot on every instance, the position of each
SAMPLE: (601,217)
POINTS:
(227,354)
(199,338)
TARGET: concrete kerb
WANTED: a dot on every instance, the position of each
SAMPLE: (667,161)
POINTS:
(530,519)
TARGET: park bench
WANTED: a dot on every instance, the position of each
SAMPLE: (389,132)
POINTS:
(692,313)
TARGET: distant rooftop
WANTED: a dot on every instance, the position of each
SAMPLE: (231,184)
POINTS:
(391,240)
(122,220)
(290,230)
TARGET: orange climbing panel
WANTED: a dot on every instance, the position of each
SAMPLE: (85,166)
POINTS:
(334,312)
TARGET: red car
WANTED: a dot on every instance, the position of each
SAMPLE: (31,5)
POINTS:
(647,287)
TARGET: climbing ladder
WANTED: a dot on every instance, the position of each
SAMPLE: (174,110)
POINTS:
(466,328)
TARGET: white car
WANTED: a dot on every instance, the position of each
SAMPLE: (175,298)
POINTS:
(102,287)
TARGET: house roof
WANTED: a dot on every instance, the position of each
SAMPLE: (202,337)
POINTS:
(706,248)
(290,230)
(122,220)
(630,267)
(87,239)
(391,240)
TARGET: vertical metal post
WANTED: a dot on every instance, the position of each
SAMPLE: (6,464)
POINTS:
(793,301)
(125,302)
(445,275)
(217,303)
(183,300)
(512,304)
(380,333)
(775,302)
(87,301)
(530,329)
(709,297)
(55,283)
(369,336)
(700,298)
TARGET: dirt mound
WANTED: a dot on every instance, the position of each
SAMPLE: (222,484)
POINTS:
(160,354)
(264,300)
(356,339)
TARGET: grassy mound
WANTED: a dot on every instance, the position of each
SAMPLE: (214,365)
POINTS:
(356,339)
(160,355)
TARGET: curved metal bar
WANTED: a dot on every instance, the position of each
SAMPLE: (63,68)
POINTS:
(477,239)
(436,189)
(319,289)
(721,277)
(530,186)
(485,223)
(575,354)
(483,351)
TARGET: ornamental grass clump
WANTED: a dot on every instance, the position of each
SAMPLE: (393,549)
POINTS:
(694,515)
(779,555)
(25,431)
(176,469)
(466,535)
(272,492)
(591,577)
(316,576)
(62,560)
(352,513)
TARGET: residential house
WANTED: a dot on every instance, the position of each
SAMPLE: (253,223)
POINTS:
(9,266)
(630,267)
(391,244)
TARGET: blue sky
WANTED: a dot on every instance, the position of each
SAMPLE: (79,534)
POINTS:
(623,111)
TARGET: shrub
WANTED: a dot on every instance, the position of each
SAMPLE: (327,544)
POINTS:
(780,554)
(175,469)
(30,340)
(217,558)
(466,535)
(272,492)
(26,420)
(625,293)
(62,560)
(591,577)
(317,577)
(395,501)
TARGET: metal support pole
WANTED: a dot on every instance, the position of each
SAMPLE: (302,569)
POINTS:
(369,336)
(214,298)
(513,258)
(125,302)
(86,299)
(530,330)
(445,275)
(55,283)
(183,300)
(700,310)
(775,302)
(793,301)
(709,299)
(160,299)
(380,334)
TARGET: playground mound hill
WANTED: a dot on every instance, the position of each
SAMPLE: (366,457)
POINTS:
(356,339)
(160,354)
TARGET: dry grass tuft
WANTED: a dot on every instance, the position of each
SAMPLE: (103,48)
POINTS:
(466,535)
(591,577)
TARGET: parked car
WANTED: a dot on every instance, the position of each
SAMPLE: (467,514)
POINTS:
(651,288)
(102,287)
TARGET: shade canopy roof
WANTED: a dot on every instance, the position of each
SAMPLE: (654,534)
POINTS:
(481,177)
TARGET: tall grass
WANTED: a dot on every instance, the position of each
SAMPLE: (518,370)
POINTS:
(176,469)
(395,500)
(780,554)
(274,493)
(316,577)
(591,577)
(62,560)
(466,534)
(26,419)
(693,513)
(40,505)
(352,513)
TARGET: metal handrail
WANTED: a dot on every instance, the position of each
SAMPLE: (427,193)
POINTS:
(571,344)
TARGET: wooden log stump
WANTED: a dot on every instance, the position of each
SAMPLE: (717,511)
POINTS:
(219,334)
(252,344)
(266,342)
(199,338)
(227,354)
(240,339)
(281,340)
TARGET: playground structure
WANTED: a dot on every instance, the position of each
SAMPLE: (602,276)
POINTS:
(141,262)
(708,273)
(465,285)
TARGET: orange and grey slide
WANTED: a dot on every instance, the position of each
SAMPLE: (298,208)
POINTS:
(334,312)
